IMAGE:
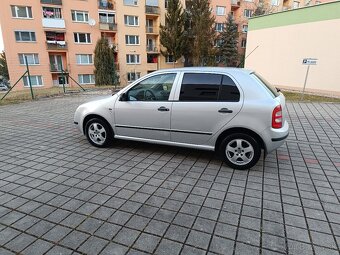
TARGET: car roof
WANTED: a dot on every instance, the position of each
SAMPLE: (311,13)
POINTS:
(207,69)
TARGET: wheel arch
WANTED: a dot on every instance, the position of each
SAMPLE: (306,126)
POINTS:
(92,116)
(235,130)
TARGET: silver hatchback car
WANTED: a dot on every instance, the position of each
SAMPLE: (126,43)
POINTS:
(232,111)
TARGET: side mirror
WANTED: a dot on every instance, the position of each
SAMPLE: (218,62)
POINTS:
(123,97)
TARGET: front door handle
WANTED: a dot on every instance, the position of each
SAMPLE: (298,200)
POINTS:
(225,110)
(163,109)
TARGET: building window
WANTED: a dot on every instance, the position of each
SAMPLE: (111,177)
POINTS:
(84,59)
(86,79)
(131,20)
(247,13)
(296,4)
(132,59)
(132,40)
(243,43)
(25,36)
(130,2)
(107,18)
(51,13)
(82,38)
(36,80)
(275,2)
(21,12)
(32,59)
(166,4)
(245,28)
(219,27)
(170,59)
(80,16)
(220,10)
(249,0)
(132,76)
(218,42)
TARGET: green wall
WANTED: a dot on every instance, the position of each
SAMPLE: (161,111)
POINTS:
(314,13)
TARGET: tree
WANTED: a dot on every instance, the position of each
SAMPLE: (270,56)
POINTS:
(104,63)
(172,35)
(202,31)
(3,66)
(228,42)
(263,8)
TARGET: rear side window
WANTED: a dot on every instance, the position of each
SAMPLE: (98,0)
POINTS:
(271,89)
(208,87)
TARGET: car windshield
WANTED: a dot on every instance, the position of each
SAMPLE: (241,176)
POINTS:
(270,88)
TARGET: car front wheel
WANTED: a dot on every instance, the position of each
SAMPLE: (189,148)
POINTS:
(98,133)
(240,151)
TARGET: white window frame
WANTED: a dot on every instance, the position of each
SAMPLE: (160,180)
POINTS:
(219,27)
(244,28)
(84,13)
(275,2)
(22,31)
(37,81)
(168,61)
(128,39)
(33,56)
(247,13)
(81,79)
(133,2)
(220,10)
(89,58)
(107,17)
(243,43)
(57,12)
(16,12)
(136,74)
(132,59)
(87,36)
(135,20)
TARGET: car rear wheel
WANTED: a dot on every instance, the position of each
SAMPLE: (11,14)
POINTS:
(240,151)
(98,133)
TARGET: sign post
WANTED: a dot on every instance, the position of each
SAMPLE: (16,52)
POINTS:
(309,62)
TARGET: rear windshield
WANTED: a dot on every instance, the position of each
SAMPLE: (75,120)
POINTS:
(270,88)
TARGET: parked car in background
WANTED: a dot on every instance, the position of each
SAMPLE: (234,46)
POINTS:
(232,111)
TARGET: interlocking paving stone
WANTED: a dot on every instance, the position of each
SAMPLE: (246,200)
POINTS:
(60,195)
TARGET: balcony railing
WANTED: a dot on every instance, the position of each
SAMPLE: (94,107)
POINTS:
(151,30)
(56,45)
(151,48)
(56,68)
(152,10)
(108,26)
(56,2)
(53,23)
(106,5)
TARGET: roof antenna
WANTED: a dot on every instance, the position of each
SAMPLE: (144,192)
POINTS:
(247,56)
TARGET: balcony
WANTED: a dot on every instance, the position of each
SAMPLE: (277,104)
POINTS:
(235,4)
(108,26)
(154,10)
(151,49)
(55,68)
(53,23)
(56,45)
(55,2)
(151,30)
(106,5)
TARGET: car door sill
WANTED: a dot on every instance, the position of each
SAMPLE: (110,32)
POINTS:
(186,145)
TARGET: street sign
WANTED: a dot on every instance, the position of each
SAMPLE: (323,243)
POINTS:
(309,61)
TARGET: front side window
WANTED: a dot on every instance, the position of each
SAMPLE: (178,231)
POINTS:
(82,38)
(32,59)
(80,16)
(36,80)
(21,12)
(208,88)
(25,36)
(155,88)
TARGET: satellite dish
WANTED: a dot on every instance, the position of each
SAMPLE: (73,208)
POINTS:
(92,22)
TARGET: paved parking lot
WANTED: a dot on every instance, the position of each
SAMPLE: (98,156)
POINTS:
(59,195)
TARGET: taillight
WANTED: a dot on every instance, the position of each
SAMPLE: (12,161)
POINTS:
(277,117)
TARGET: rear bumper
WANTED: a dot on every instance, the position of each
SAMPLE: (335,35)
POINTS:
(274,138)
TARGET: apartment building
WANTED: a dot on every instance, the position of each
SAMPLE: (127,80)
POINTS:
(58,37)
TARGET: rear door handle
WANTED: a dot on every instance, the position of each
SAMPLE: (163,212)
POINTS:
(163,109)
(225,110)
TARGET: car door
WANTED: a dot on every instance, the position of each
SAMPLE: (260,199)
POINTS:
(204,103)
(144,110)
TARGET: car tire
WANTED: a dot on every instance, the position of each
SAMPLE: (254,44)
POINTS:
(98,133)
(240,151)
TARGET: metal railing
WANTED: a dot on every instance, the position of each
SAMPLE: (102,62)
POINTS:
(56,46)
(108,26)
(151,48)
(152,9)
